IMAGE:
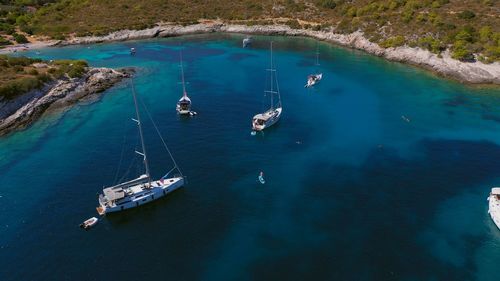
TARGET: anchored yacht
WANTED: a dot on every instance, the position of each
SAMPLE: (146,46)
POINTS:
(268,118)
(247,41)
(184,104)
(314,79)
(143,189)
(494,205)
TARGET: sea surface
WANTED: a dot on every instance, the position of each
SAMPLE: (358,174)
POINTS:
(380,172)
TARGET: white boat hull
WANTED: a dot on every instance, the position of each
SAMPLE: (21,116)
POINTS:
(184,105)
(494,209)
(157,191)
(183,112)
(311,82)
(274,117)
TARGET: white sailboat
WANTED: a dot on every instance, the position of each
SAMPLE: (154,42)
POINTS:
(184,104)
(268,118)
(247,41)
(314,79)
(141,190)
(494,205)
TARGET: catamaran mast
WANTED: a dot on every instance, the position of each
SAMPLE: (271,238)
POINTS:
(183,82)
(138,120)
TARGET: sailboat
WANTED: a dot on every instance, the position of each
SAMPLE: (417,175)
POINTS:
(184,104)
(268,118)
(142,189)
(494,205)
(247,41)
(314,79)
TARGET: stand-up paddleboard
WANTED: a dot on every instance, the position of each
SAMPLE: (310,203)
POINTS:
(261,178)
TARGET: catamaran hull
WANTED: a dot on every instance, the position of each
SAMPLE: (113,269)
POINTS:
(154,194)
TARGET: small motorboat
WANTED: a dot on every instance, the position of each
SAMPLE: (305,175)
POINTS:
(247,41)
(132,51)
(89,223)
(494,205)
(313,79)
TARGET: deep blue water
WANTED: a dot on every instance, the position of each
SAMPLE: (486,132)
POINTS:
(353,191)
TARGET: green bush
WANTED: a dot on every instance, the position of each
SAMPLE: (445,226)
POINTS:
(22,61)
(19,86)
(393,42)
(492,53)
(464,35)
(466,15)
(431,44)
(4,41)
(460,51)
(329,4)
(7,28)
(21,39)
(293,24)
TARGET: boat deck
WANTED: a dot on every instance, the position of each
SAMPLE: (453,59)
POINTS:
(494,208)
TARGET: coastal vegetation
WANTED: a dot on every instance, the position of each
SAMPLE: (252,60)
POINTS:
(19,75)
(470,29)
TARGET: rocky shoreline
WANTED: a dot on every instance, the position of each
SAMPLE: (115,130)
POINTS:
(467,72)
(20,112)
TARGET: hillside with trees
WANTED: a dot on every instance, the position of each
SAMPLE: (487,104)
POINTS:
(469,28)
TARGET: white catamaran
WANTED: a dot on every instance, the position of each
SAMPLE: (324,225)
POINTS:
(264,120)
(314,79)
(184,104)
(141,190)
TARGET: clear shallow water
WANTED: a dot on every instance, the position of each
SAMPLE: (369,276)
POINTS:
(353,192)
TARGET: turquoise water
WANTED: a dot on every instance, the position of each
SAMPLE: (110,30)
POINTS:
(353,191)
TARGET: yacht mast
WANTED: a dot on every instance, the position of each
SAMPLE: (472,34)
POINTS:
(271,91)
(138,121)
(317,55)
(183,82)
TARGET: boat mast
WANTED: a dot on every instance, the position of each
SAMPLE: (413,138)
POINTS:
(184,93)
(317,55)
(272,69)
(273,77)
(138,121)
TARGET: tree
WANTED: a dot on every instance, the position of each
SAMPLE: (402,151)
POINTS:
(21,39)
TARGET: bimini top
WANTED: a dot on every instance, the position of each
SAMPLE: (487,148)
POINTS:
(114,193)
(495,191)
(266,115)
